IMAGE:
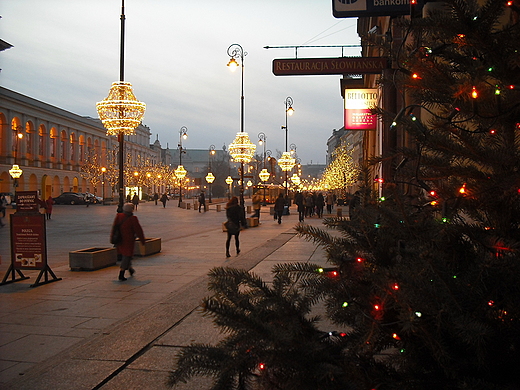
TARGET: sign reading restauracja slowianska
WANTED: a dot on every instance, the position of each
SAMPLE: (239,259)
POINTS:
(323,66)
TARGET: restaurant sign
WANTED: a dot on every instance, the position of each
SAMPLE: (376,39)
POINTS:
(325,66)
(360,8)
(358,103)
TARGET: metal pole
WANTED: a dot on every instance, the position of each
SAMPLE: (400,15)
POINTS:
(121,137)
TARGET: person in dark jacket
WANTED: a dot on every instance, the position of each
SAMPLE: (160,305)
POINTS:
(279,205)
(135,201)
(130,229)
(300,202)
(235,219)
(164,199)
(48,207)
(320,204)
(202,201)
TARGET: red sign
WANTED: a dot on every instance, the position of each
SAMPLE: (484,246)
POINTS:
(28,241)
(323,66)
(358,104)
(364,8)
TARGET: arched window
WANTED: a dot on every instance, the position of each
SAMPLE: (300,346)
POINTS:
(54,139)
(41,137)
(63,145)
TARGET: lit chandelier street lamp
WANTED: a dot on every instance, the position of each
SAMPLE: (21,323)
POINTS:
(15,171)
(121,112)
(241,149)
(286,162)
(180,172)
(209,177)
(229,181)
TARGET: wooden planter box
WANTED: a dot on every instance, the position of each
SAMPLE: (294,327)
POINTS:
(91,259)
(252,222)
(151,246)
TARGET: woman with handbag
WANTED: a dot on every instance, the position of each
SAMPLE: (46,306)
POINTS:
(235,219)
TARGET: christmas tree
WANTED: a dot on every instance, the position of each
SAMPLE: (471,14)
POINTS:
(423,288)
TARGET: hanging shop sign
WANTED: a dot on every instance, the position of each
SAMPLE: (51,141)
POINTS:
(358,103)
(324,66)
(360,8)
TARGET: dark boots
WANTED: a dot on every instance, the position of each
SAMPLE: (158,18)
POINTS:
(122,275)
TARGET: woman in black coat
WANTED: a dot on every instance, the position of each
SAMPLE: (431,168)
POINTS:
(279,205)
(235,219)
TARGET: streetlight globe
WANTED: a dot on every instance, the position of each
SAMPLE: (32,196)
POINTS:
(233,64)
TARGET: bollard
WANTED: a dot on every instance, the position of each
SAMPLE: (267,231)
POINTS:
(219,208)
(339,212)
(248,208)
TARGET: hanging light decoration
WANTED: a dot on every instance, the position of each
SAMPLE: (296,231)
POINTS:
(286,162)
(229,180)
(264,175)
(210,178)
(120,112)
(242,149)
(15,172)
(295,179)
(180,172)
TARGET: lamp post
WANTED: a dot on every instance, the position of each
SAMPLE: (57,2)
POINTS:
(103,170)
(241,149)
(285,161)
(183,134)
(229,181)
(210,178)
(15,171)
(262,140)
(121,112)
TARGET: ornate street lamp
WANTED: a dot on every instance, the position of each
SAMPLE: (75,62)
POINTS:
(210,178)
(121,112)
(229,181)
(183,134)
(241,149)
(103,170)
(264,176)
(288,112)
(295,179)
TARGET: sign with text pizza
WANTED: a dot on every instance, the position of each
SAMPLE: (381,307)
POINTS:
(28,241)
(360,8)
(324,66)
(358,103)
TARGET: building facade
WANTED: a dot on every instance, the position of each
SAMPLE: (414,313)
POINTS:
(51,145)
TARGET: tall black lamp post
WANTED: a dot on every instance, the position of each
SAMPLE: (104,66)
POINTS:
(180,172)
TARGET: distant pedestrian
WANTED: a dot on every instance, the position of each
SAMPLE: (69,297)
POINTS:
(235,219)
(130,229)
(329,200)
(164,199)
(48,207)
(320,204)
(257,205)
(135,201)
(156,198)
(279,206)
(353,205)
(202,201)
(309,205)
(3,206)
(300,203)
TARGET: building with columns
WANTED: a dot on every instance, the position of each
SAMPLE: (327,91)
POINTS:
(51,145)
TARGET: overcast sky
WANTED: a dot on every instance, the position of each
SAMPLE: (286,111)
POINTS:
(66,53)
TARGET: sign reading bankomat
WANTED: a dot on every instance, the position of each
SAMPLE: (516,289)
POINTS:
(360,8)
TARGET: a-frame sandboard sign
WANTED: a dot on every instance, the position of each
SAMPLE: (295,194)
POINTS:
(28,241)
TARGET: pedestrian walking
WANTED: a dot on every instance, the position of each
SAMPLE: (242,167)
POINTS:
(164,199)
(3,207)
(202,201)
(279,206)
(130,228)
(309,205)
(48,207)
(320,204)
(135,201)
(329,200)
(300,203)
(257,205)
(235,220)
(156,198)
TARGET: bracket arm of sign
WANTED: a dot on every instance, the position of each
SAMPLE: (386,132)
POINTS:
(28,241)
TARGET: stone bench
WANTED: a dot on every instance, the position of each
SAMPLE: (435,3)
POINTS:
(91,259)
(151,246)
